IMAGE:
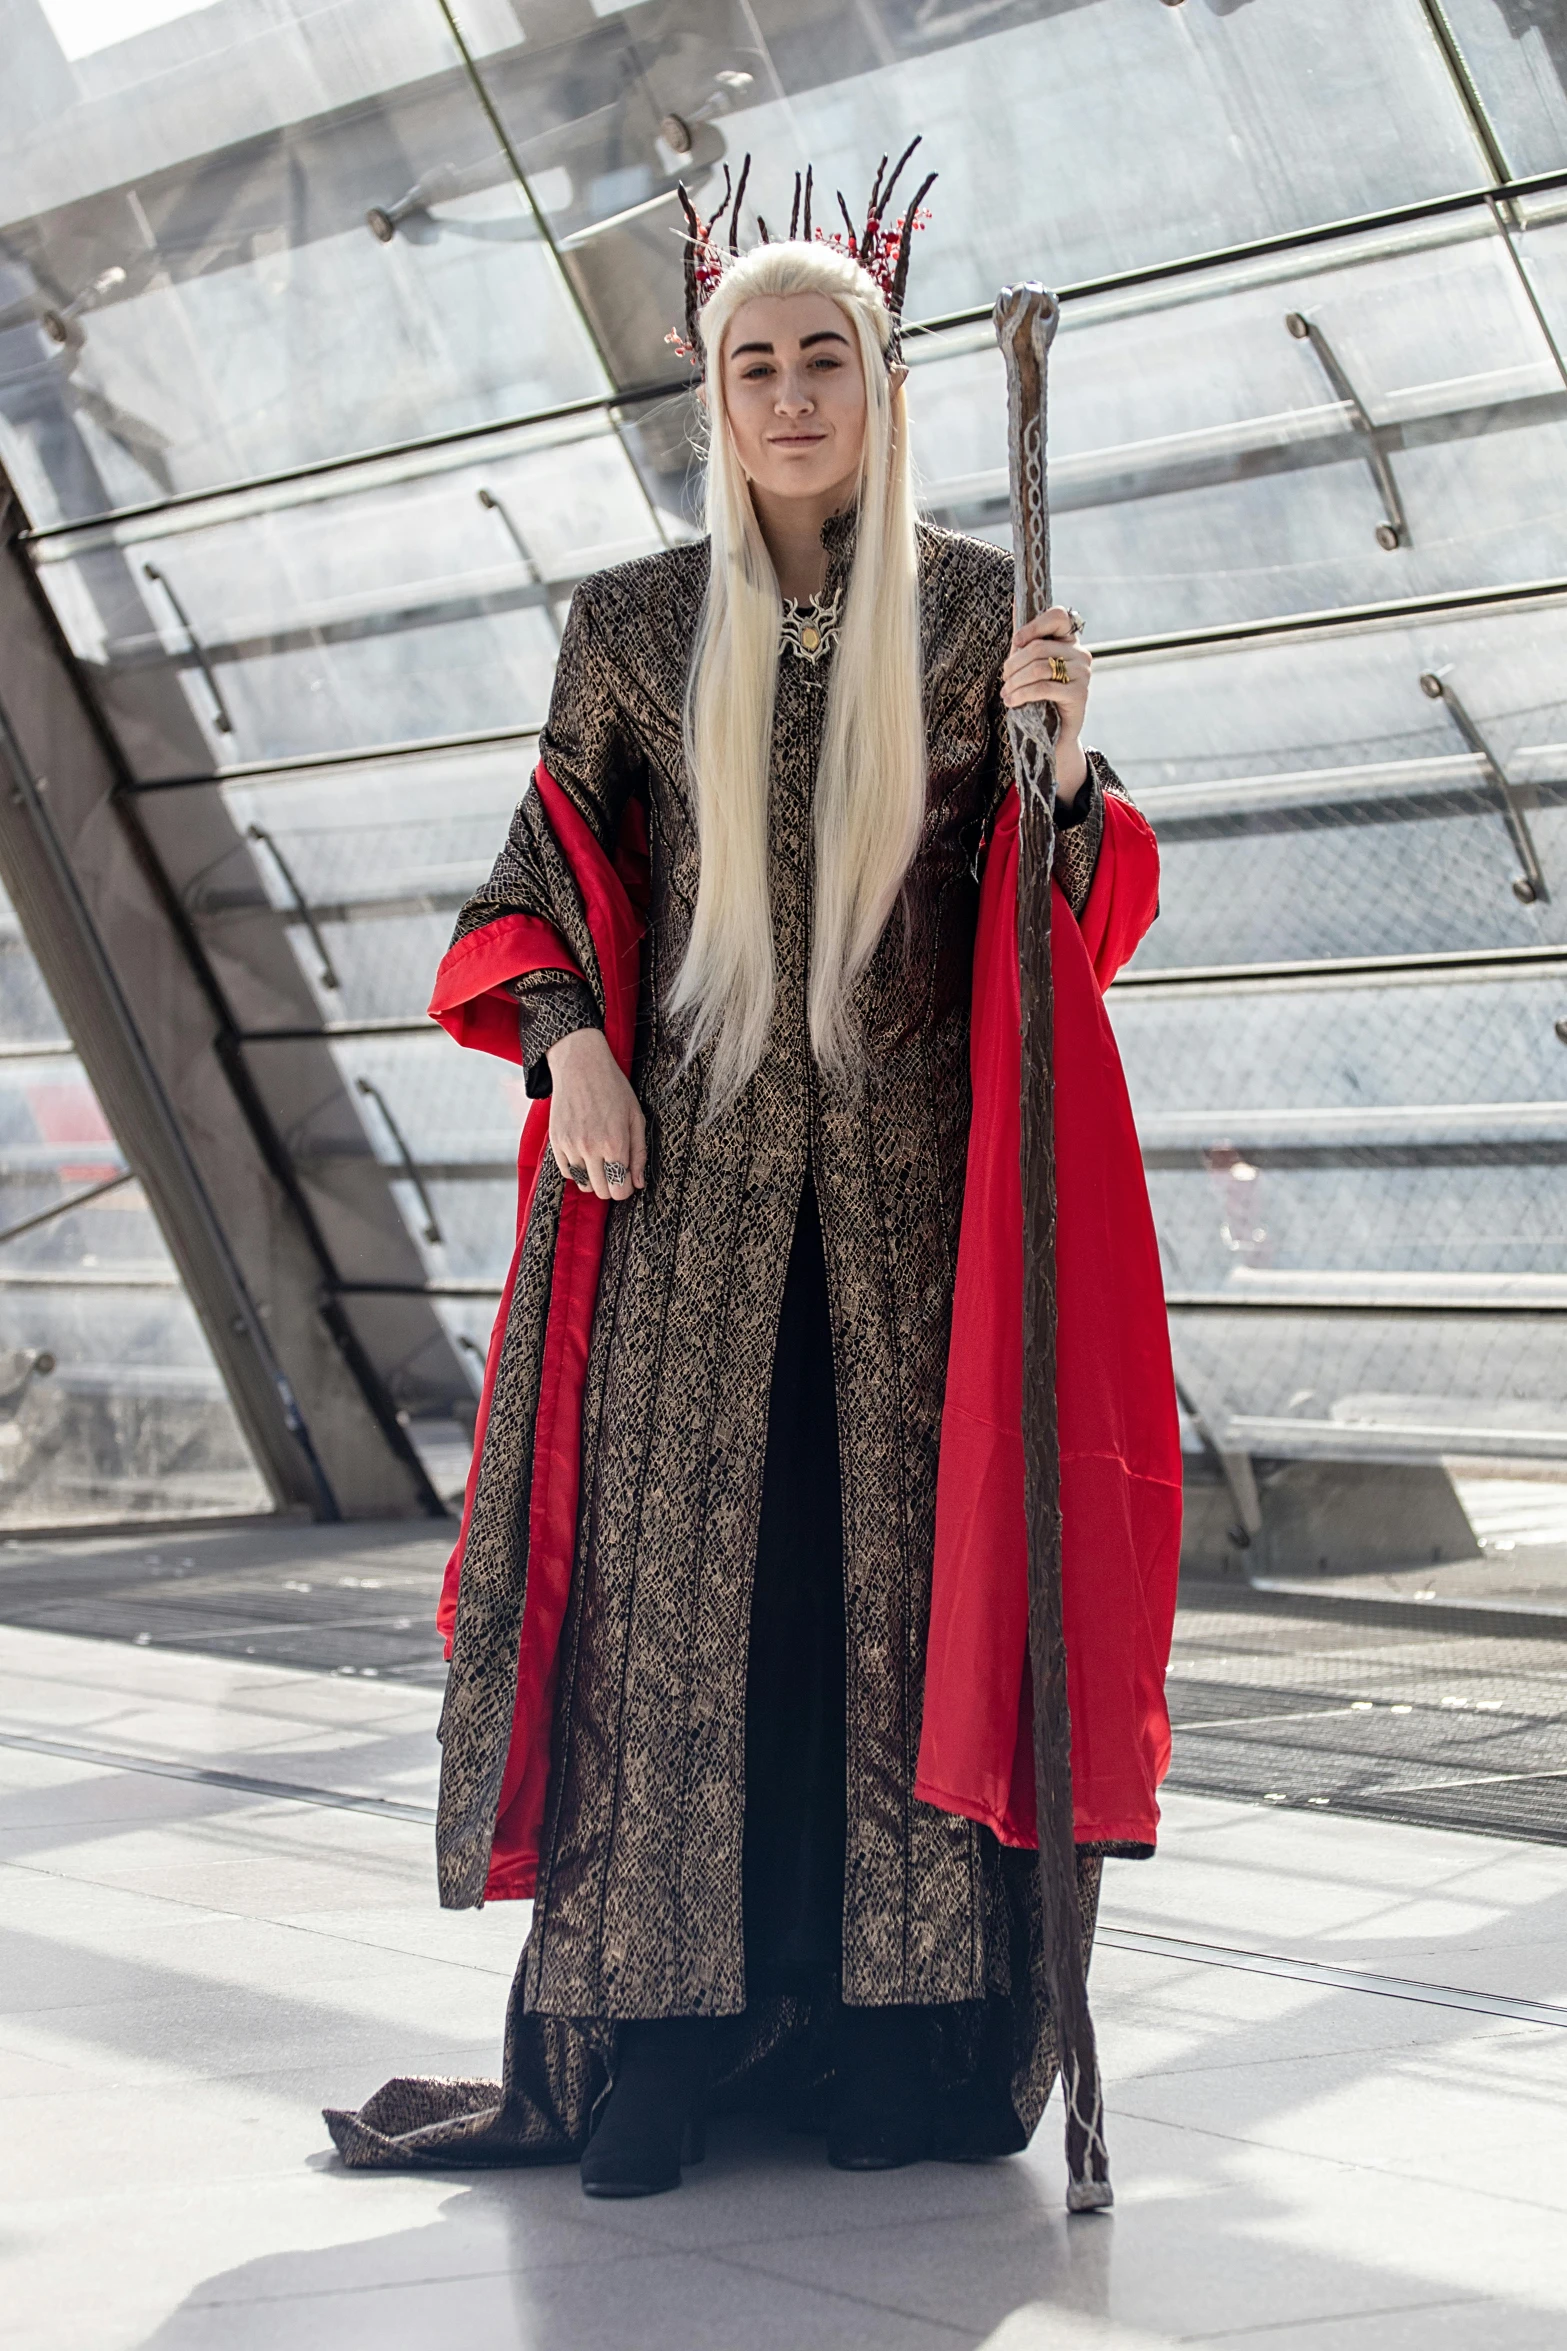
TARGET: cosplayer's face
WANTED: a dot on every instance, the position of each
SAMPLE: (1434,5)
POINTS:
(795,394)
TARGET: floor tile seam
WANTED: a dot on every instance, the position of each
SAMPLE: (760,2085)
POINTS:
(182,1771)
(260,2081)
(1315,2155)
(1495,2033)
(176,1771)
(1378,1958)
(58,1877)
(270,1674)
(1239,1959)
(1384,1814)
(226,1857)
(285,1924)
(1350,2053)
(157,1609)
(441,2277)
(1485,2025)
(1135,2007)
(1283,2327)
(366,1713)
(204,1912)
(1137,2011)
(831,2232)
(263,1667)
(348,1744)
(187,1987)
(374,1865)
(280,1733)
(210,1815)
(725,2259)
(297,2169)
(1236,1872)
(627,2247)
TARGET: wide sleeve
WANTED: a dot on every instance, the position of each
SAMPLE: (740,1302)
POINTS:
(589,751)
(1080,831)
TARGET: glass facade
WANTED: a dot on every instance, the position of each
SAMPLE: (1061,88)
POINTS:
(111,1406)
(332,355)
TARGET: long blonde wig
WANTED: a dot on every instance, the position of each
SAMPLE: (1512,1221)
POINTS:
(870,784)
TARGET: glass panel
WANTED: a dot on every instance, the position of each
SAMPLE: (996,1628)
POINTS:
(1540,241)
(439,1125)
(389,609)
(257,236)
(1382,1147)
(1420,1059)
(194,291)
(381,855)
(1347,1388)
(1516,51)
(1052,131)
(1311,800)
(1204,468)
(110,1404)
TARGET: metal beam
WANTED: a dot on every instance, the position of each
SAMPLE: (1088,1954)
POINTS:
(641,395)
(308,762)
(1343,616)
(1445,963)
(154,1041)
(1467,89)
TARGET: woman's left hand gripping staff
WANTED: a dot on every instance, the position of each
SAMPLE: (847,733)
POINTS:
(1047,664)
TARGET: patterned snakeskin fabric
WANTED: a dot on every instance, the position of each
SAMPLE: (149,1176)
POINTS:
(638,1910)
(995,2064)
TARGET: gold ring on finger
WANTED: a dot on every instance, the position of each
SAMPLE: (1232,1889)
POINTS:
(1060,675)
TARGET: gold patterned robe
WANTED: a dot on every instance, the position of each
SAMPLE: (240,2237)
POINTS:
(638,1911)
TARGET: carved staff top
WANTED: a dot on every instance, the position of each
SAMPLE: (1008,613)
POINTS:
(1026,322)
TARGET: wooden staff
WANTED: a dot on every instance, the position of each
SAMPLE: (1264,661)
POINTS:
(1026,319)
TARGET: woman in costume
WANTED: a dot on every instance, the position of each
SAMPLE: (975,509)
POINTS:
(736,940)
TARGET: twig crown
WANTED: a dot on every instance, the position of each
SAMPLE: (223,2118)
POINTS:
(881,247)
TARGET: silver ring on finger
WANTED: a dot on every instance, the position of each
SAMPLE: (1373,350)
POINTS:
(614,1173)
(579,1176)
(1076,619)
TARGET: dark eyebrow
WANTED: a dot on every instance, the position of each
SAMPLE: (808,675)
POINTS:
(822,335)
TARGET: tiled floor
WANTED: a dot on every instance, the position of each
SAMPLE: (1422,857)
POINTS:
(190,1969)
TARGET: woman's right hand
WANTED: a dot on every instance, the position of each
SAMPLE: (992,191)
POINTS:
(595,1118)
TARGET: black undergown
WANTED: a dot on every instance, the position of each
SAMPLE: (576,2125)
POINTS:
(795,1804)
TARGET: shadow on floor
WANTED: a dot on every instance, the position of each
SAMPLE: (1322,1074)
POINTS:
(764,2249)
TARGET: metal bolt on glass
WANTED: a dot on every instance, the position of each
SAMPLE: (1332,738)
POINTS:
(1394,532)
(1529,887)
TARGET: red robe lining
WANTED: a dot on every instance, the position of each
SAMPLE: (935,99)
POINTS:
(1120,1441)
(1120,1449)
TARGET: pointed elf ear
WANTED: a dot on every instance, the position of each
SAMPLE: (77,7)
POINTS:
(897,376)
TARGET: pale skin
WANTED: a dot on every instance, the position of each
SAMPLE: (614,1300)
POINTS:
(794,392)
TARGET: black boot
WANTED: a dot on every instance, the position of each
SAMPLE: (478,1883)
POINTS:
(652,2120)
(881,2115)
